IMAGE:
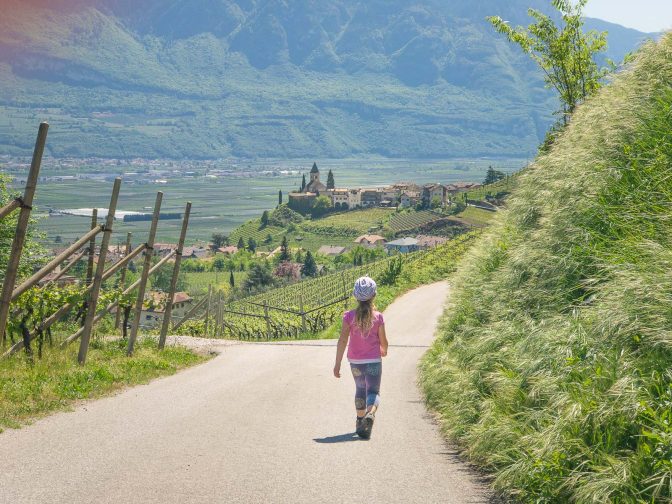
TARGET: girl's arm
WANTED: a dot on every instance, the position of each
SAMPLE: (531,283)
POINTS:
(383,340)
(340,348)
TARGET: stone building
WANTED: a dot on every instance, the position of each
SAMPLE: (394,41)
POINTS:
(315,186)
(303,201)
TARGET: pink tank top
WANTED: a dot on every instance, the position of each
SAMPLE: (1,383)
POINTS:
(363,348)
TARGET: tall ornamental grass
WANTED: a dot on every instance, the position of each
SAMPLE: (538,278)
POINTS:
(553,368)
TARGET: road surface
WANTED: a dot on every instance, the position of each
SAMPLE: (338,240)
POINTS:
(260,423)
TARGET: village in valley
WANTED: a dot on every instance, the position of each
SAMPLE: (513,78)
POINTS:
(397,195)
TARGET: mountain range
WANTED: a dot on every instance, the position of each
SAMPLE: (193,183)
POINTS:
(273,78)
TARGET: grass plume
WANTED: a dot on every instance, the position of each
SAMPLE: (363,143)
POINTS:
(553,368)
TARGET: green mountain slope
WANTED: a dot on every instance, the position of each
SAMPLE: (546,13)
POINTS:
(307,78)
(553,363)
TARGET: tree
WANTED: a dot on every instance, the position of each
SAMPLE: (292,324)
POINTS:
(493,176)
(330,180)
(251,244)
(219,264)
(435,203)
(163,276)
(321,206)
(232,280)
(259,276)
(303,183)
(269,239)
(309,265)
(241,244)
(565,53)
(285,254)
(219,240)
(279,197)
(264,219)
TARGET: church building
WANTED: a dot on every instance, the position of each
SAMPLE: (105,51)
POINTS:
(303,200)
(315,186)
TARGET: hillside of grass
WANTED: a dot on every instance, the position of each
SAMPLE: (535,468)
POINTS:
(553,365)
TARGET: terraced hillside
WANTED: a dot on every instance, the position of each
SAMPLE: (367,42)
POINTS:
(412,220)
(352,223)
(325,297)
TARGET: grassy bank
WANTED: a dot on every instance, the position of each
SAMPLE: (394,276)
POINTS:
(30,390)
(553,368)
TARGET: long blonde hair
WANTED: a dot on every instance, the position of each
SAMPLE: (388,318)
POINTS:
(364,315)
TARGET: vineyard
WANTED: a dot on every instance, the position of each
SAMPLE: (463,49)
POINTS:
(313,305)
(407,221)
(352,223)
(32,305)
(253,229)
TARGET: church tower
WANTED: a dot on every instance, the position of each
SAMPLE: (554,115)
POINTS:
(314,174)
(315,186)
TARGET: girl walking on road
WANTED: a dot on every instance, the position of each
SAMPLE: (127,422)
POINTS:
(364,327)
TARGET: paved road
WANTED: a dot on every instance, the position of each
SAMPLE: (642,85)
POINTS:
(259,423)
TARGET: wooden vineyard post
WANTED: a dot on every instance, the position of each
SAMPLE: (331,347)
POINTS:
(21,229)
(92,256)
(303,313)
(92,248)
(207,309)
(122,279)
(268,321)
(219,315)
(98,278)
(168,311)
(149,252)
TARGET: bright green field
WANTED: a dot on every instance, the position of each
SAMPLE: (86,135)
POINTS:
(476,216)
(353,223)
(198,281)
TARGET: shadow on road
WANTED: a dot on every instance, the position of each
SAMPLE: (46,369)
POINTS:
(341,438)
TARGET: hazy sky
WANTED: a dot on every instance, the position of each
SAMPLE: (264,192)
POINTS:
(644,15)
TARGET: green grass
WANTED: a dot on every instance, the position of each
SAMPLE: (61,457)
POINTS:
(253,229)
(552,365)
(352,223)
(476,217)
(197,282)
(55,382)
(410,220)
(506,185)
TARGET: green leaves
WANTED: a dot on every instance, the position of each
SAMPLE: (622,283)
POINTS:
(564,53)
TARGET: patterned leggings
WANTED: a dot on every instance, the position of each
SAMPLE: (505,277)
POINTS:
(367,383)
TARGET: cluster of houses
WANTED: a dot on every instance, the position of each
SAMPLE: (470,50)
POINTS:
(402,194)
(400,245)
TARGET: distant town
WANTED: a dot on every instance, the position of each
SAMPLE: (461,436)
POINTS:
(400,194)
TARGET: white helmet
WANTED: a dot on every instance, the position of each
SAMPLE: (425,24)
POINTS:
(365,289)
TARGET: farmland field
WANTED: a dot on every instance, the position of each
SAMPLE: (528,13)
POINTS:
(353,223)
(253,229)
(197,282)
(412,220)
